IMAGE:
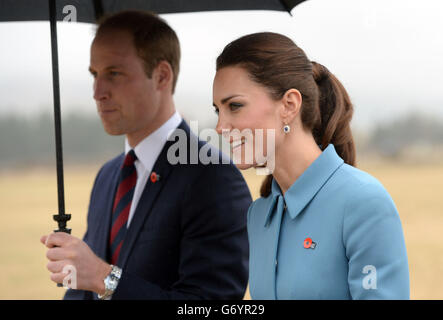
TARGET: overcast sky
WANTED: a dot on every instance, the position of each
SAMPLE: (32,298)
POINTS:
(388,54)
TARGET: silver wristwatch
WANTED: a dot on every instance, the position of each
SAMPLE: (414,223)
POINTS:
(111,282)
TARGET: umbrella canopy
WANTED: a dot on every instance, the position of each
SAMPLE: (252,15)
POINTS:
(90,11)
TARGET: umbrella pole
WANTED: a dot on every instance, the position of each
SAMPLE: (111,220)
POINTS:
(61,217)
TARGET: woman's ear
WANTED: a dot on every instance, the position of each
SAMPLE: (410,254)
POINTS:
(291,101)
(163,75)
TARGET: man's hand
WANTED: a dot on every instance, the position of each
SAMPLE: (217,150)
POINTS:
(66,250)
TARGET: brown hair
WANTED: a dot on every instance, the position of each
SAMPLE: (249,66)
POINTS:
(276,62)
(153,38)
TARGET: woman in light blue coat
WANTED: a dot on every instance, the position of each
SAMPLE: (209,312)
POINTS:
(322,229)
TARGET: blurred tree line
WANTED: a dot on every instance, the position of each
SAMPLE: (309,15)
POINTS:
(30,142)
(414,137)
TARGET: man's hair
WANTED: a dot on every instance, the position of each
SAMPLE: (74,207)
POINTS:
(153,38)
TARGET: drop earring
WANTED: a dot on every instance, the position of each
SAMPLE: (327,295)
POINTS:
(286,128)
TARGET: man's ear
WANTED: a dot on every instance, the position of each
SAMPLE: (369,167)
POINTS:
(291,101)
(163,75)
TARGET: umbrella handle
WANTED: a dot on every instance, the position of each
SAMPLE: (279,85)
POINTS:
(62,219)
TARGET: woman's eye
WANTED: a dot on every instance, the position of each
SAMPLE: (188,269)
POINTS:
(216,111)
(234,106)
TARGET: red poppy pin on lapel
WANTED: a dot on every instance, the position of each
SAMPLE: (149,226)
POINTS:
(155,177)
(309,244)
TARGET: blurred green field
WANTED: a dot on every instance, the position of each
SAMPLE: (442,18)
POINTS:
(29,199)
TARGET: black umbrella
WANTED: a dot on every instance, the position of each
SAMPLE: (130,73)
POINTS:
(90,11)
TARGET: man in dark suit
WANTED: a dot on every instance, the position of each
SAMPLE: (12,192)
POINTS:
(157,229)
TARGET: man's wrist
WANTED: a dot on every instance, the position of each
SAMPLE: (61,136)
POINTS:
(110,282)
(105,270)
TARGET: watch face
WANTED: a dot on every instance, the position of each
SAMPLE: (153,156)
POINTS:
(112,279)
(111,282)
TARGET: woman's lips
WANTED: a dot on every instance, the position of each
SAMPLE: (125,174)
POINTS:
(237,143)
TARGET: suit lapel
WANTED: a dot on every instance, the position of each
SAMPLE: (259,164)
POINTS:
(109,195)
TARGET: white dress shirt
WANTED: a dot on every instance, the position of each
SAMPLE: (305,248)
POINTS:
(147,152)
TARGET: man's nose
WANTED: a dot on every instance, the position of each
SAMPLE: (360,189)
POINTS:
(101,90)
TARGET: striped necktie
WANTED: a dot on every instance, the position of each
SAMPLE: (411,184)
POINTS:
(122,205)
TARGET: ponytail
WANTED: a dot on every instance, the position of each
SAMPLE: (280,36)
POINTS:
(336,112)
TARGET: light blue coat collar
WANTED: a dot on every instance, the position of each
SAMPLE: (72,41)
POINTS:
(304,189)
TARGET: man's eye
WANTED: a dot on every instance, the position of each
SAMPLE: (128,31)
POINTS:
(216,110)
(114,73)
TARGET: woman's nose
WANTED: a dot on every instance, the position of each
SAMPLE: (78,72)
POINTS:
(222,124)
